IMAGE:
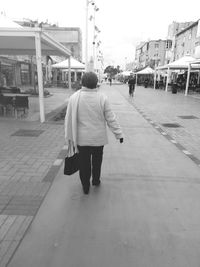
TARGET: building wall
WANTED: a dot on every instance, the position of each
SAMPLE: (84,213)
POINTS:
(186,41)
(157,50)
(176,27)
(137,55)
(71,38)
(152,53)
(141,55)
(181,39)
(173,30)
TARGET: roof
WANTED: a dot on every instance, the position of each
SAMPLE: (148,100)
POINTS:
(187,28)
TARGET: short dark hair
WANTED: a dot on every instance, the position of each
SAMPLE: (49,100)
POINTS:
(89,80)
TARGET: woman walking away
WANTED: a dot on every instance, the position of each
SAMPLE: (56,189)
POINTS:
(88,114)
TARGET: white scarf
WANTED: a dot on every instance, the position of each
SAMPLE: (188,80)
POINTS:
(71,124)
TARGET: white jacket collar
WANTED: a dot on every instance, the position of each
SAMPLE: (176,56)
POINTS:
(88,89)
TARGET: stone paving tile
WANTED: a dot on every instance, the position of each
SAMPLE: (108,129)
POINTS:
(164,107)
(9,248)
(4,247)
(25,161)
(30,164)
(23,228)
(9,220)
(14,229)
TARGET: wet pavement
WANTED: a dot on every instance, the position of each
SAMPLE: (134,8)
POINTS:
(146,213)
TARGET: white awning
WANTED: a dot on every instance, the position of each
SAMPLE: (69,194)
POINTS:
(21,41)
(32,41)
(185,63)
(75,64)
(147,70)
(181,63)
(196,61)
(126,73)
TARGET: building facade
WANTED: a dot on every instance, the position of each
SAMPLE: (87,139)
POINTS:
(157,52)
(140,55)
(17,70)
(187,41)
(152,53)
(182,38)
(173,29)
(71,38)
(176,27)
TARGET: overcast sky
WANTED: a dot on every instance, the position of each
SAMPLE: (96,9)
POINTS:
(123,24)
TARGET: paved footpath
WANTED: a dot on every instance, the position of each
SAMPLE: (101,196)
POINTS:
(30,157)
(145,214)
(176,110)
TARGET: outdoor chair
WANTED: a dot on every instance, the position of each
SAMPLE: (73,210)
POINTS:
(6,104)
(21,103)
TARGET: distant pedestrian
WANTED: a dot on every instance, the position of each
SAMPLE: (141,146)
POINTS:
(131,84)
(110,81)
(87,115)
(146,82)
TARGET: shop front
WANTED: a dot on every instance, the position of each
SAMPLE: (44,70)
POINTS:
(7,72)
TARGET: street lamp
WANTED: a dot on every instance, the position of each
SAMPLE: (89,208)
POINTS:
(125,63)
(86,32)
(95,31)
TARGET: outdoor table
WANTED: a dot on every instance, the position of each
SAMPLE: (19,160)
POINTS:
(14,95)
(15,103)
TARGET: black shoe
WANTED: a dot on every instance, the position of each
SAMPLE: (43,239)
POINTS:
(96,183)
(86,190)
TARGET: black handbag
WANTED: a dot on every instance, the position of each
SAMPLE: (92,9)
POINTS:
(71,164)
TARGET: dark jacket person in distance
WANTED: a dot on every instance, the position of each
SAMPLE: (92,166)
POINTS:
(131,84)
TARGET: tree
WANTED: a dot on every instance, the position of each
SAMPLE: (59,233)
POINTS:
(111,70)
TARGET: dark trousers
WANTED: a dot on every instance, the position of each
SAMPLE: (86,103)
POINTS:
(90,163)
(131,89)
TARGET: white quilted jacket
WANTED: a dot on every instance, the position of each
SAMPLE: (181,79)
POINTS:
(94,114)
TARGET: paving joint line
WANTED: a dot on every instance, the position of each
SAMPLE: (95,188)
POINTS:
(53,171)
(165,134)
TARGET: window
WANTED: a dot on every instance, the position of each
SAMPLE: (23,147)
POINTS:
(168,44)
(25,74)
(7,69)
